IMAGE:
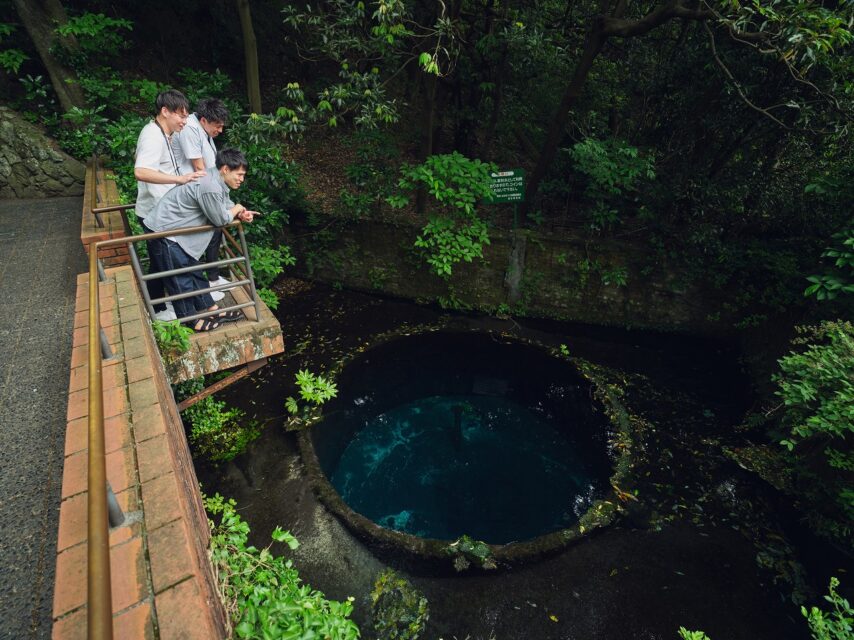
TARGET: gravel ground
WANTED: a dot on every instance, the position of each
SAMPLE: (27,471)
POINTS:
(40,257)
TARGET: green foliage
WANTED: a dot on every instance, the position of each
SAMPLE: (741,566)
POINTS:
(272,184)
(692,635)
(217,432)
(838,624)
(454,233)
(97,34)
(269,297)
(398,610)
(172,337)
(269,262)
(828,286)
(10,59)
(465,550)
(314,389)
(816,386)
(614,171)
(197,84)
(263,593)
(85,135)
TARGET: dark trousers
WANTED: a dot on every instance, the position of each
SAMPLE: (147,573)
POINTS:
(155,287)
(168,255)
(212,255)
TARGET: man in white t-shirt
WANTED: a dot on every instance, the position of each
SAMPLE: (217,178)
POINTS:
(196,151)
(157,171)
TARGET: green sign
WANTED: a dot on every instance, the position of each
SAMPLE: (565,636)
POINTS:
(508,186)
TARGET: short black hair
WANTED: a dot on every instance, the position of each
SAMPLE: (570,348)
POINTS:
(173,100)
(212,110)
(231,158)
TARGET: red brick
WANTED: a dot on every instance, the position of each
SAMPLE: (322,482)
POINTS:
(161,501)
(139,369)
(115,401)
(73,520)
(71,627)
(148,423)
(127,574)
(153,458)
(121,473)
(70,587)
(171,555)
(78,404)
(75,476)
(134,624)
(182,613)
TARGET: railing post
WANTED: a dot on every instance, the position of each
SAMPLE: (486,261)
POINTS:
(106,352)
(137,269)
(114,511)
(249,272)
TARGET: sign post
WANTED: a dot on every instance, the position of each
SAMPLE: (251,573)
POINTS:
(508,186)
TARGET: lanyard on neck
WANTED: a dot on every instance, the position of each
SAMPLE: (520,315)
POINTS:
(169,149)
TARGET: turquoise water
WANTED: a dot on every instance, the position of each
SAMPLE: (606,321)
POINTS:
(444,466)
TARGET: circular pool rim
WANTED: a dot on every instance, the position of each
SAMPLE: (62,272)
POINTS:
(600,514)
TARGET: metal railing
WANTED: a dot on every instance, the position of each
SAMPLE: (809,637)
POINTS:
(101,503)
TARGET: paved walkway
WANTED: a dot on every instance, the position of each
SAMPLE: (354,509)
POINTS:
(40,257)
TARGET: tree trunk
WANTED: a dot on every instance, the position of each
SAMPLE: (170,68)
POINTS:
(250,52)
(430,83)
(554,135)
(40,18)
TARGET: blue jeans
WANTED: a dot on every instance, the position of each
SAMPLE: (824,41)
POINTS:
(155,287)
(167,255)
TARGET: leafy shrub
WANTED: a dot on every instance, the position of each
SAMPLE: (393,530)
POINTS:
(197,84)
(398,610)
(96,34)
(172,337)
(263,593)
(269,297)
(465,550)
(816,386)
(269,262)
(314,389)
(614,170)
(272,183)
(456,183)
(838,624)
(218,433)
(692,635)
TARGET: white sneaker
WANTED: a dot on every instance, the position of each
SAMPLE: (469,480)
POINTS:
(220,281)
(217,295)
(166,315)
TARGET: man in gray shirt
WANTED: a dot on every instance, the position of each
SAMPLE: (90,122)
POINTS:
(196,151)
(205,201)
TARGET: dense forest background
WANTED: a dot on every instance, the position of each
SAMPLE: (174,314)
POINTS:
(715,136)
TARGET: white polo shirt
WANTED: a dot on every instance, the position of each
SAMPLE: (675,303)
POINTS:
(153,152)
(193,143)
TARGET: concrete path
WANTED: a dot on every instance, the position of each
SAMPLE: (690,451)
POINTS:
(40,256)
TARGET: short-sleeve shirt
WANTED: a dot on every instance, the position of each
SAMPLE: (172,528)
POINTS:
(153,152)
(205,201)
(192,143)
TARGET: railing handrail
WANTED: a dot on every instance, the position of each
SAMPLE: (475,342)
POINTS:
(99,615)
(99,602)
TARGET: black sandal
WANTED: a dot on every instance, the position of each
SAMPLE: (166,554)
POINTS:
(208,324)
(230,316)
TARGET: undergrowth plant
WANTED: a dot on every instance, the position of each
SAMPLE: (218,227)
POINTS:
(263,594)
(816,386)
(218,432)
(172,337)
(314,390)
(836,624)
(454,232)
(398,610)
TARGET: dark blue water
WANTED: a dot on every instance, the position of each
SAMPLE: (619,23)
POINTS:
(478,437)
